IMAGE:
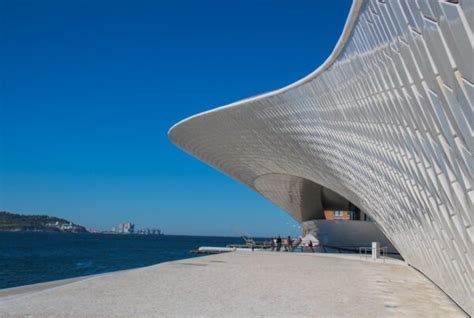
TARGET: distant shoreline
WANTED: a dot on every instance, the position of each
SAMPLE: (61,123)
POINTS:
(13,222)
(45,231)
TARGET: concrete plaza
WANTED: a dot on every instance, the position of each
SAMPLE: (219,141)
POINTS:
(240,284)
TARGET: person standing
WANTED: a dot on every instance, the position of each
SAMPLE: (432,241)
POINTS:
(289,243)
(272,243)
(310,245)
(278,243)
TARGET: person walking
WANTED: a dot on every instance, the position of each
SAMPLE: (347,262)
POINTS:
(272,243)
(278,243)
(310,245)
(289,243)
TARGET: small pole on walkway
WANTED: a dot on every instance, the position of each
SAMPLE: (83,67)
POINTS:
(375,250)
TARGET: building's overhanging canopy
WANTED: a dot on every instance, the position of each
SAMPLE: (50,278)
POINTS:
(386,122)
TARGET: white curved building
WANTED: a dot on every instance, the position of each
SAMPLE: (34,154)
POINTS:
(386,122)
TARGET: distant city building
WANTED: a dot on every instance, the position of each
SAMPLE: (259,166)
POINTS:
(149,232)
(126,228)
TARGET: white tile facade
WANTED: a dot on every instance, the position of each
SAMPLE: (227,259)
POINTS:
(387,122)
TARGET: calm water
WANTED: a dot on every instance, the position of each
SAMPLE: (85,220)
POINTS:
(28,258)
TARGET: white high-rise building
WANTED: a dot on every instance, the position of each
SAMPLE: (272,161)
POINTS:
(126,228)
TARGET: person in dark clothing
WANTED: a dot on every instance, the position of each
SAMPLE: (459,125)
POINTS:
(311,246)
(278,243)
(289,243)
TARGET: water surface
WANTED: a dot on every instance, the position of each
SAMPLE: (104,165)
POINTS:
(28,258)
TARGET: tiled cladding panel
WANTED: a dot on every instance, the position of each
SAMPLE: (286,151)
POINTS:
(387,122)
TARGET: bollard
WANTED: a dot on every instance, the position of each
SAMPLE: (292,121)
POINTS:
(375,250)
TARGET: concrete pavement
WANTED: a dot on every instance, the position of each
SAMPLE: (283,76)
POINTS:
(241,284)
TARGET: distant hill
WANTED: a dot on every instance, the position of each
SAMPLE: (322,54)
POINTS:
(12,222)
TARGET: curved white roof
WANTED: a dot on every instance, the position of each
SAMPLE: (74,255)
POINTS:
(386,122)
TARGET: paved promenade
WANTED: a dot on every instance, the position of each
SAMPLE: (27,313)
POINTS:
(240,284)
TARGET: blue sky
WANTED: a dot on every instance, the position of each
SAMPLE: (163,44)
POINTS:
(89,89)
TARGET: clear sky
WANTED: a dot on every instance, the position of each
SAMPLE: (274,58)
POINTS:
(89,89)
